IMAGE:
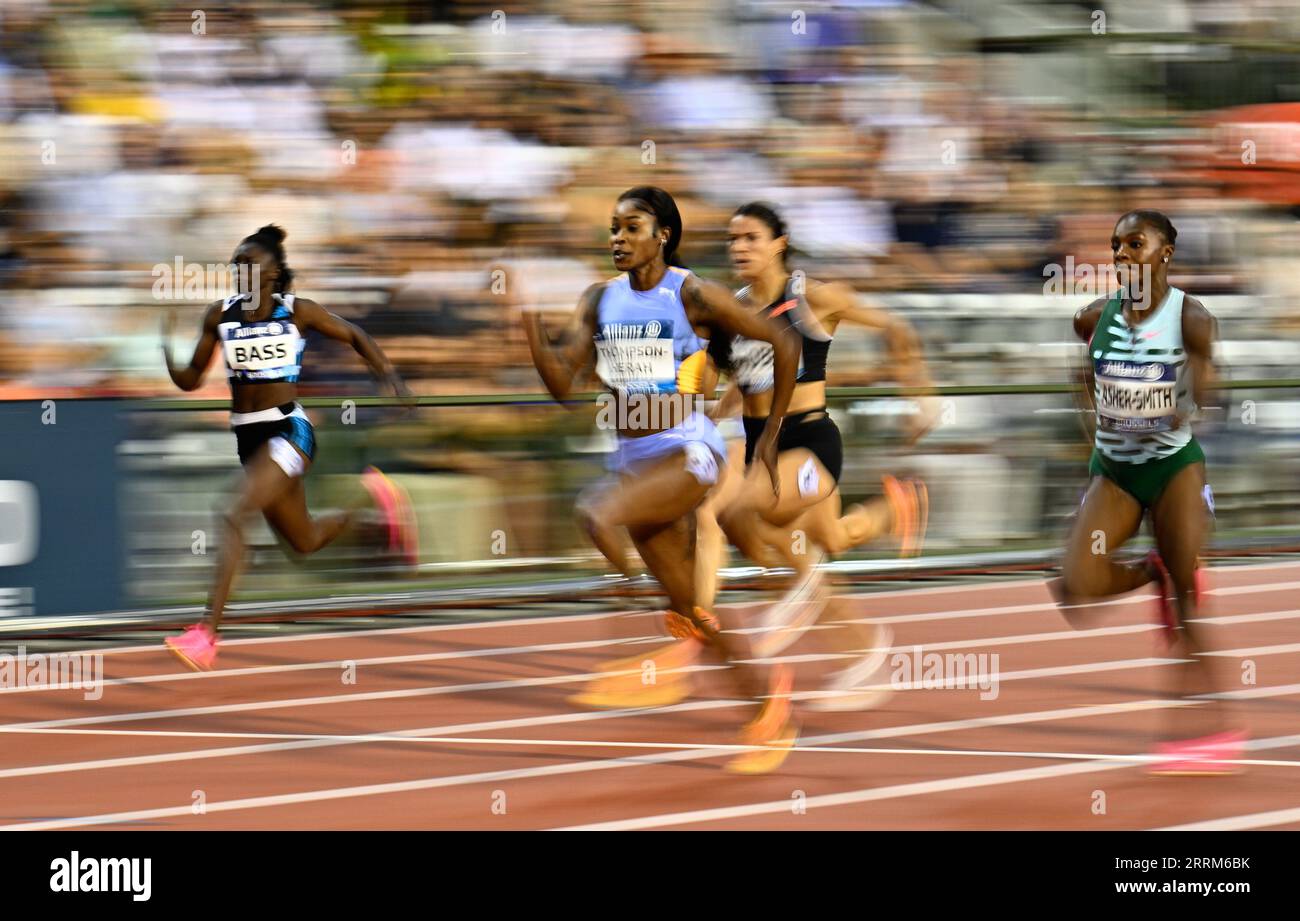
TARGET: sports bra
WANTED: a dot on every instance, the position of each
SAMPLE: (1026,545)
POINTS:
(749,361)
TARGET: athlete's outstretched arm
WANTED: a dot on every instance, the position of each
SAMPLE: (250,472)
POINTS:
(310,315)
(191,377)
(835,303)
(1200,330)
(711,304)
(560,366)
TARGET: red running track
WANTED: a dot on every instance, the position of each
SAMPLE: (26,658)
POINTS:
(282,735)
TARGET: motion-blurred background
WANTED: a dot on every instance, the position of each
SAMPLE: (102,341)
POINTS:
(952,160)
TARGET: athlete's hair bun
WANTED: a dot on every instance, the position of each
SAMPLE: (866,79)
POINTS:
(272,233)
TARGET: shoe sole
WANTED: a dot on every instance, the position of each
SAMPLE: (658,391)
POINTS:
(194,666)
(667,696)
(1195,772)
(768,760)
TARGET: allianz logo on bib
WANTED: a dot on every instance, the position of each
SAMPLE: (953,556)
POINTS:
(1148,372)
(652,329)
(103,874)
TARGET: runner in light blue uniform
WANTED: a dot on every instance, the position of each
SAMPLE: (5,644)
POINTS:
(643,331)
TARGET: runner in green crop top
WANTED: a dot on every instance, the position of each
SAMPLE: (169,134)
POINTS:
(1149,367)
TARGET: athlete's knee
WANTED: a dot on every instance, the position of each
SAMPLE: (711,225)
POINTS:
(232,520)
(303,542)
(1082,577)
(590,516)
(736,521)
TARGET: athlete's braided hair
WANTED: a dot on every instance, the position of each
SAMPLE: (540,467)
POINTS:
(656,201)
(271,238)
(1157,219)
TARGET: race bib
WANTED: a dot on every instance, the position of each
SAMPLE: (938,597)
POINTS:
(1135,396)
(637,357)
(259,353)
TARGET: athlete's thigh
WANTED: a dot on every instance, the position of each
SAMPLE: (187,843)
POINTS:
(661,492)
(1181,521)
(805,481)
(263,485)
(287,514)
(1107,519)
(731,481)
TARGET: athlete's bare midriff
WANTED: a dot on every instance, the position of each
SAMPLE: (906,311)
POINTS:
(654,413)
(251,398)
(808,395)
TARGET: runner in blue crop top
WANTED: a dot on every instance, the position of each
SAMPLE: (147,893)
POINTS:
(645,333)
(261,330)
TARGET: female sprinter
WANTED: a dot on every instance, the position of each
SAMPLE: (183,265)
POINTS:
(1150,364)
(810,457)
(262,331)
(645,331)
(759,521)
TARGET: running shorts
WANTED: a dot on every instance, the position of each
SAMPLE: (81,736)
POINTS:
(285,429)
(819,435)
(1145,482)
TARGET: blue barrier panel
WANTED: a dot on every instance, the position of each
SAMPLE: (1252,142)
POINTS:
(60,535)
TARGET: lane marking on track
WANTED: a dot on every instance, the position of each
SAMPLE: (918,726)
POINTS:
(1015,639)
(722,748)
(876,794)
(569,618)
(377,631)
(1240,822)
(477,653)
(511,683)
(582,767)
(233,751)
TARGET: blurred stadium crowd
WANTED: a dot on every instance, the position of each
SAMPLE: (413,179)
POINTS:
(943,150)
(951,159)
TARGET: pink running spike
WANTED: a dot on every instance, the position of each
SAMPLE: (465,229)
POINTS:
(196,647)
(1207,755)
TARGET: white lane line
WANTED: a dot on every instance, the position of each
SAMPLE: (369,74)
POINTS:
(1257,617)
(322,741)
(338,663)
(511,683)
(875,794)
(582,767)
(570,618)
(1016,639)
(537,619)
(722,748)
(381,631)
(1240,822)
(503,684)
(1280,648)
(598,615)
